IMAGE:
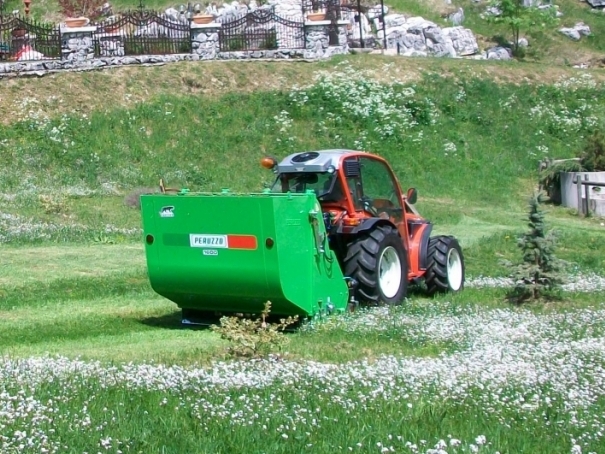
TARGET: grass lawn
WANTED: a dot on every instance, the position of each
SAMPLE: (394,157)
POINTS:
(92,360)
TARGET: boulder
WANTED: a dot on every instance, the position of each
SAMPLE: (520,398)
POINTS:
(419,23)
(582,29)
(394,20)
(570,33)
(434,33)
(549,6)
(457,18)
(463,40)
(498,53)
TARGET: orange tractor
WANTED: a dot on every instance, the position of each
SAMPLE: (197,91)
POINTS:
(380,240)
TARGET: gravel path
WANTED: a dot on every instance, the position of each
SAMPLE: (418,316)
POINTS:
(575,283)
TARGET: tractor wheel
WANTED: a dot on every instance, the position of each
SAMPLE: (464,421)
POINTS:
(378,262)
(445,270)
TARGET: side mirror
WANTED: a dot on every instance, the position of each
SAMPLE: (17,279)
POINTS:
(412,196)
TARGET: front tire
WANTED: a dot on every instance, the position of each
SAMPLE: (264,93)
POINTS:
(378,262)
(445,271)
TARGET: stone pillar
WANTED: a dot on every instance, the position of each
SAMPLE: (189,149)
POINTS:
(317,38)
(204,40)
(317,43)
(77,43)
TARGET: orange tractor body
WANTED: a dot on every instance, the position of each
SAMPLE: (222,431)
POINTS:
(381,241)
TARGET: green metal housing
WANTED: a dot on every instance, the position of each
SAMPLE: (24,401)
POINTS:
(230,253)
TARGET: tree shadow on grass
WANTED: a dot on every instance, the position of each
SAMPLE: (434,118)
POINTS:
(500,40)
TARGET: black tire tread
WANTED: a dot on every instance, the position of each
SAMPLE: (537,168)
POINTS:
(361,259)
(436,272)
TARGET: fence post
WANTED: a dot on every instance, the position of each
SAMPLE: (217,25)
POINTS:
(190,18)
(578,182)
(384,27)
(587,192)
(360,22)
(205,40)
(77,43)
(317,38)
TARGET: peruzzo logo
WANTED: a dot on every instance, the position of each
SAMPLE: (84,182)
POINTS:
(208,241)
(167,212)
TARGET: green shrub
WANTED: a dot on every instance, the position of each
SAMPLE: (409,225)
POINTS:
(253,338)
(592,158)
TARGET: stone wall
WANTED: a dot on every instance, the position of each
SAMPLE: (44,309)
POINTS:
(43,67)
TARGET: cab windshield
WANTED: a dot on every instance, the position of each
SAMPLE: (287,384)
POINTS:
(321,183)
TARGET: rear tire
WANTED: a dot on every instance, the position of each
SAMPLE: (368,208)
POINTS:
(378,262)
(445,270)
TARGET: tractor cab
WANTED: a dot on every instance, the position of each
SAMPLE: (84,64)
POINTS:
(350,186)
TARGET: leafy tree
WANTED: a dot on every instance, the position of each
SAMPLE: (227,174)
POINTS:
(92,9)
(592,158)
(540,274)
(516,16)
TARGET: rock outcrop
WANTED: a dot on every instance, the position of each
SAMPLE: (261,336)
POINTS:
(576,33)
(415,36)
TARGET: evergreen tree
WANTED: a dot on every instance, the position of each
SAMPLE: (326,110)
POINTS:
(540,274)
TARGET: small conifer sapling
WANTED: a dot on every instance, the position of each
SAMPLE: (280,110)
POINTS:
(540,274)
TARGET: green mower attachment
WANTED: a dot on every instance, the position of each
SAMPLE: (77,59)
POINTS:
(224,253)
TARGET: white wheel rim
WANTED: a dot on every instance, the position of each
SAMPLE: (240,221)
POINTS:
(389,272)
(454,269)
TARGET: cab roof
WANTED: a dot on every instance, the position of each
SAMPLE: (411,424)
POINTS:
(313,161)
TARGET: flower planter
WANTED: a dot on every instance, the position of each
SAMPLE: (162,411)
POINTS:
(74,22)
(203,18)
(316,16)
(111,28)
(19,32)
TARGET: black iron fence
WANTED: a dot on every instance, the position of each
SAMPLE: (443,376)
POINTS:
(261,30)
(25,39)
(142,32)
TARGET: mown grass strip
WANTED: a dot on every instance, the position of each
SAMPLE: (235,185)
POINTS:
(80,288)
(25,265)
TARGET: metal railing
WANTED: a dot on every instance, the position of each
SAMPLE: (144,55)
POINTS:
(142,32)
(26,39)
(261,30)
